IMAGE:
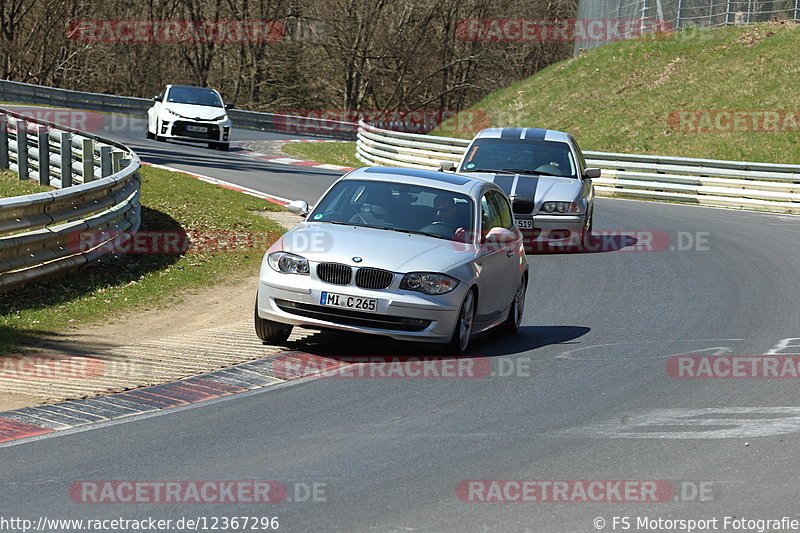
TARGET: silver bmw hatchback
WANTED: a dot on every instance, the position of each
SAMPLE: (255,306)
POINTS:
(408,254)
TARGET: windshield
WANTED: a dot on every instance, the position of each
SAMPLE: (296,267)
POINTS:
(520,155)
(399,207)
(194,95)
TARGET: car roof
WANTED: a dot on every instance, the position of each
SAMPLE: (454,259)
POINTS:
(523,133)
(190,87)
(421,177)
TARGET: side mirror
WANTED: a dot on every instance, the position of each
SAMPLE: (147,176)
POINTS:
(229,105)
(499,237)
(158,98)
(298,207)
(592,173)
(447,166)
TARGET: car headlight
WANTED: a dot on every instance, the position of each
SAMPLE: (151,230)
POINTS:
(561,207)
(171,114)
(288,263)
(428,282)
(220,118)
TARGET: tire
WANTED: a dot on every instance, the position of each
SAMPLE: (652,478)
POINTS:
(150,135)
(463,328)
(270,332)
(514,319)
(223,147)
(586,238)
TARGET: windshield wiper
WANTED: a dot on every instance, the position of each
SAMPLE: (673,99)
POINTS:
(351,224)
(417,232)
(538,172)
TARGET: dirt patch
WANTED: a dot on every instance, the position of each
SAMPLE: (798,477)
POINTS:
(206,310)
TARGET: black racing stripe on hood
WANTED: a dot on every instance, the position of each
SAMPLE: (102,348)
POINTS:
(525,194)
(505,182)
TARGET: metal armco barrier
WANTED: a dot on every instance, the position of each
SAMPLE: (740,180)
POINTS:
(137,107)
(98,192)
(758,186)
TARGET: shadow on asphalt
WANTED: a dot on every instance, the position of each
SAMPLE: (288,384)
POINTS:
(340,345)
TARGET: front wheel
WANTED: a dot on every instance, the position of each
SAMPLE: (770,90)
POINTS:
(271,332)
(586,237)
(512,323)
(463,330)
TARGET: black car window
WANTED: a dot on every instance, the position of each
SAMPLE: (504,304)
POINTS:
(506,155)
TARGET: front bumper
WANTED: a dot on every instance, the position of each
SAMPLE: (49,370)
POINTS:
(181,129)
(552,231)
(401,314)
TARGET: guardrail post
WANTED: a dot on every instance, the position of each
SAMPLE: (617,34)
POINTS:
(87,160)
(3,142)
(44,155)
(116,161)
(65,140)
(22,150)
(105,161)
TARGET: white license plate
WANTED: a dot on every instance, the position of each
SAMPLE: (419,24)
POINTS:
(525,224)
(197,129)
(370,305)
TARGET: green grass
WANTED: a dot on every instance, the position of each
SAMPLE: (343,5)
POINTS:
(621,97)
(11,185)
(104,292)
(343,154)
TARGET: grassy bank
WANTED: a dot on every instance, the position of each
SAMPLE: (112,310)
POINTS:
(228,234)
(343,154)
(629,96)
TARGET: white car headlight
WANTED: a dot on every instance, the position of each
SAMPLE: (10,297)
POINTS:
(561,207)
(428,282)
(220,118)
(288,263)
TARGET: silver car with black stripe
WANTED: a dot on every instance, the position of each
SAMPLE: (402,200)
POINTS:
(544,174)
(404,253)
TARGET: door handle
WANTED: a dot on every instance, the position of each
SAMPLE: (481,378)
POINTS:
(510,253)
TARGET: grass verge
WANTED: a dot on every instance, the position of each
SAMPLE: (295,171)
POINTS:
(11,185)
(228,234)
(342,154)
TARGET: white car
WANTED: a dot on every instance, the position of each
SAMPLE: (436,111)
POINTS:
(187,113)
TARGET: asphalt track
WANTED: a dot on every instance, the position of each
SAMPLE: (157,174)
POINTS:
(582,392)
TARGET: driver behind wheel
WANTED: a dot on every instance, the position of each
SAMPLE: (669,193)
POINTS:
(445,215)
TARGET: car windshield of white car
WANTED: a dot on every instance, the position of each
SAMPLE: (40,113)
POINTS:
(194,96)
(525,156)
(397,207)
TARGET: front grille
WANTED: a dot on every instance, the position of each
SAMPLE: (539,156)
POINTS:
(334,273)
(179,128)
(353,318)
(373,278)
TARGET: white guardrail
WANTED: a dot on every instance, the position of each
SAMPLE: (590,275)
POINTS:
(13,91)
(98,192)
(758,186)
